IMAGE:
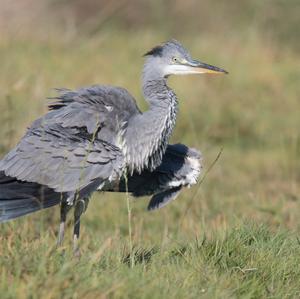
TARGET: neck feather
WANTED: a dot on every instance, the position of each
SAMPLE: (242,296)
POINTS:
(147,134)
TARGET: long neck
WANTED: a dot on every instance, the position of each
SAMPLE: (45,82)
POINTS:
(147,134)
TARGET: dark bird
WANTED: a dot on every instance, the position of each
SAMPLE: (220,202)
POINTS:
(92,138)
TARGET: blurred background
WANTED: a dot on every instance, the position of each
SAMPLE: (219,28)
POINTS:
(253,113)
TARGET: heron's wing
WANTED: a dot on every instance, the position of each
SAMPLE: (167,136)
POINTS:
(63,159)
(161,199)
(180,166)
(105,109)
(77,142)
(174,159)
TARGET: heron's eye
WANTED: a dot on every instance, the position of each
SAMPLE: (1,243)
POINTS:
(175,59)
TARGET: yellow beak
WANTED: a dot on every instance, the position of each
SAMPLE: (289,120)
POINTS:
(201,67)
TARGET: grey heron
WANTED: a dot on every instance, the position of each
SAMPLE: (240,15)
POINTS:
(94,137)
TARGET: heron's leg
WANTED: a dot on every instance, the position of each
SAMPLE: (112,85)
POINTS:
(80,208)
(64,209)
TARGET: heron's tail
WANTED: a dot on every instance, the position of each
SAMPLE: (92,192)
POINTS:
(19,198)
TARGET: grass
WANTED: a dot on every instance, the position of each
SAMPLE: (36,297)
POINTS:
(247,261)
(235,236)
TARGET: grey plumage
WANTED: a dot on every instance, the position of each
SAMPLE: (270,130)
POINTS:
(19,198)
(70,147)
(180,167)
(92,137)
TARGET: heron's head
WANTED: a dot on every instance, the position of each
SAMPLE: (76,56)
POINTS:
(171,58)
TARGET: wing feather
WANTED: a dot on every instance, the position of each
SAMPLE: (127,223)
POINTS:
(75,143)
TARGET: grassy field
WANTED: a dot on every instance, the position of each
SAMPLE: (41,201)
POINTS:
(234,236)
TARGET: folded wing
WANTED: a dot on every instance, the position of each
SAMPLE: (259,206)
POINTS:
(76,143)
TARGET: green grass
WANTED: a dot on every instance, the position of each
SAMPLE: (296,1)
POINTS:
(234,236)
(247,261)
